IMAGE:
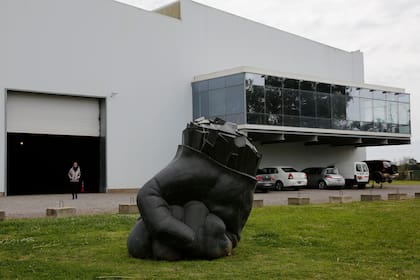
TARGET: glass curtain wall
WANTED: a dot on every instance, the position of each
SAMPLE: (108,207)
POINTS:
(269,100)
(221,97)
(291,102)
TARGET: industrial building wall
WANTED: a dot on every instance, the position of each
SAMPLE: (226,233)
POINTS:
(142,63)
(223,41)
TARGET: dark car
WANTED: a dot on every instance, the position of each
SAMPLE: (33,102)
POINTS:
(381,171)
(265,182)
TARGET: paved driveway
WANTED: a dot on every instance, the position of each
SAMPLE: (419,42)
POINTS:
(36,205)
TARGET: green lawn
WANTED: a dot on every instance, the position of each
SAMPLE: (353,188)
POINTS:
(405,182)
(371,240)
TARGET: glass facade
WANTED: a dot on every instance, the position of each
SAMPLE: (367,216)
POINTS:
(221,97)
(268,100)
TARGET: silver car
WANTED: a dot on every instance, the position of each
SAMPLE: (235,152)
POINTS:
(324,177)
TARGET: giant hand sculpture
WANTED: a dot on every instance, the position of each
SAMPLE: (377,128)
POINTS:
(197,206)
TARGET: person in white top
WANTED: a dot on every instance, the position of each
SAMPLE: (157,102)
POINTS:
(74,176)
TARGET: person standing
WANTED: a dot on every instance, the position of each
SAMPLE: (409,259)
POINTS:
(74,176)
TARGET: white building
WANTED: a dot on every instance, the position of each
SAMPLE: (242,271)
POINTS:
(112,86)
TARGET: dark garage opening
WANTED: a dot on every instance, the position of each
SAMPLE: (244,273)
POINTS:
(38,164)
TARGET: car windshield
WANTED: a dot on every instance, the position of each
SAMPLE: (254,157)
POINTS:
(260,171)
(359,167)
(331,171)
(289,169)
(365,168)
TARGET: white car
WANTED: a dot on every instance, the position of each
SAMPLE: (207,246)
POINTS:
(285,177)
(323,177)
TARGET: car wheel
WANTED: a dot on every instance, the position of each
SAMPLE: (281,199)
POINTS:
(278,186)
(322,185)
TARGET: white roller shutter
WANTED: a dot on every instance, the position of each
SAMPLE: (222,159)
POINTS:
(52,114)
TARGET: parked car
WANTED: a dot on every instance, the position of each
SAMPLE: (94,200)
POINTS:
(382,171)
(324,177)
(361,175)
(285,177)
(355,173)
(265,182)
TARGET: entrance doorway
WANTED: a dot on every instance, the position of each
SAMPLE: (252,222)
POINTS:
(38,164)
(46,134)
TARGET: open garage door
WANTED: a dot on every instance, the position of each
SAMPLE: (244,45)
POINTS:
(52,114)
(45,134)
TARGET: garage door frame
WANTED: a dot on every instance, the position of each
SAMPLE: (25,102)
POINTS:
(102,131)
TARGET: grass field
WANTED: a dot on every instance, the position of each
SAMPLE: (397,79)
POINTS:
(377,240)
(406,182)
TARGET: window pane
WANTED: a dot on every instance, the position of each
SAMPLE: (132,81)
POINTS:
(392,96)
(379,115)
(338,90)
(366,112)
(352,91)
(366,93)
(217,83)
(274,100)
(308,122)
(291,102)
(325,88)
(379,94)
(217,102)
(339,106)
(291,120)
(274,119)
(196,105)
(291,83)
(307,103)
(403,97)
(203,86)
(235,80)
(353,108)
(236,118)
(403,113)
(254,80)
(255,99)
(204,104)
(308,85)
(323,123)
(366,126)
(379,111)
(274,81)
(235,100)
(256,118)
(392,112)
(323,105)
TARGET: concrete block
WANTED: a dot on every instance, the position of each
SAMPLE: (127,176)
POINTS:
(2,215)
(340,199)
(258,203)
(128,209)
(417,195)
(1,194)
(370,197)
(397,196)
(298,200)
(61,212)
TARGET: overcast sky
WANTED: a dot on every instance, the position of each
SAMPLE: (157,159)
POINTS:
(386,31)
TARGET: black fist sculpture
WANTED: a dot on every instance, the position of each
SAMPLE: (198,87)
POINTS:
(197,206)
